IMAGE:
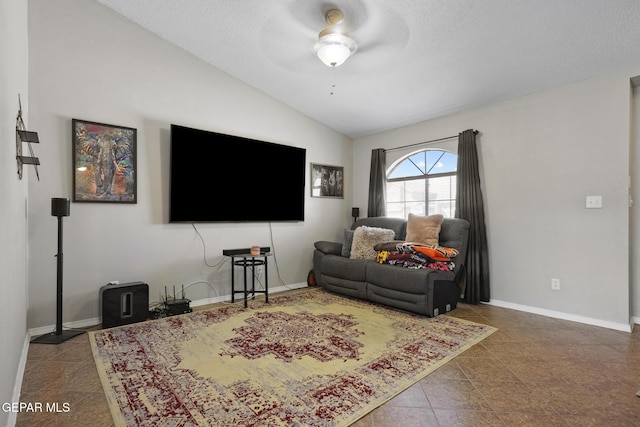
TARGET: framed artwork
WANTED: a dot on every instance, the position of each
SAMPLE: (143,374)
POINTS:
(104,163)
(327,181)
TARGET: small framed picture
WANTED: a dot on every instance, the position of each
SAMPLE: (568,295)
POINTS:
(327,181)
(104,163)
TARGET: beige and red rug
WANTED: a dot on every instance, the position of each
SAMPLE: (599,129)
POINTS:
(309,358)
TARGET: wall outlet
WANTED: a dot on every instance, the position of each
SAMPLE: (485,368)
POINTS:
(555,284)
(594,202)
(259,271)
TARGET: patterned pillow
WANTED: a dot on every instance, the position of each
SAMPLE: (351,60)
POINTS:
(436,253)
(365,238)
(391,245)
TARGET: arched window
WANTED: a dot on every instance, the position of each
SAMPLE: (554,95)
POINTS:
(423,183)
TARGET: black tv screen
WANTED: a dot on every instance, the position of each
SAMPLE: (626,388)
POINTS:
(216,177)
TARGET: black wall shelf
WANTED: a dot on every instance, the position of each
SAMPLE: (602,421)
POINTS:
(28,137)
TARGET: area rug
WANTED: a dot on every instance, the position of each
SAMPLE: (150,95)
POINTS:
(308,358)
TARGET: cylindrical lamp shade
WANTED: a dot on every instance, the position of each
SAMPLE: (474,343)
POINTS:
(60,207)
(355,212)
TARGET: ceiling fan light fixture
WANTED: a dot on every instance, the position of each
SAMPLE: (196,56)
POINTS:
(334,48)
(334,44)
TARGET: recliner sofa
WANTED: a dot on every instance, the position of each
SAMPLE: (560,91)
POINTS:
(424,291)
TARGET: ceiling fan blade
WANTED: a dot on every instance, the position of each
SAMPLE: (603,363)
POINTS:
(383,26)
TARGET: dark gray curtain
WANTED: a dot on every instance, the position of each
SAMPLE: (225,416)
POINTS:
(469,206)
(377,184)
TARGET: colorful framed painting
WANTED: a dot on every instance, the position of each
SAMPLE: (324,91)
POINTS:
(327,181)
(104,163)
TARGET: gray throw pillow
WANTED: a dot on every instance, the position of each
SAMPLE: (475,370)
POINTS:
(347,242)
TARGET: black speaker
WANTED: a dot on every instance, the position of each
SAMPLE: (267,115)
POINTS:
(60,207)
(124,304)
(355,213)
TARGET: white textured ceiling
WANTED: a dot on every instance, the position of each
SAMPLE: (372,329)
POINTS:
(416,59)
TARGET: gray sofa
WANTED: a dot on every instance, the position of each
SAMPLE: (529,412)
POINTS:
(423,291)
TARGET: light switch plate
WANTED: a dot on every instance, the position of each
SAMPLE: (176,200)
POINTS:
(594,202)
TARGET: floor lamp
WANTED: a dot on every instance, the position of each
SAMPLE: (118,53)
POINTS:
(60,208)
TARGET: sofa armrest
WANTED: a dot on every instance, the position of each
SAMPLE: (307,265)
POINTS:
(329,248)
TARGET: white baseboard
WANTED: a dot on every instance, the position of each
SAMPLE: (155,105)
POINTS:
(227,298)
(196,303)
(565,316)
(79,324)
(17,386)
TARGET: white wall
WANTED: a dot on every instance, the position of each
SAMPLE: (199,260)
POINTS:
(541,155)
(13,193)
(634,217)
(89,63)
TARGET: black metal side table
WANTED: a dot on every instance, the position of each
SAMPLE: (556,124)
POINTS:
(249,262)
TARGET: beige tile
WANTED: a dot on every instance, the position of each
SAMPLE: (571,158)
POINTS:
(481,369)
(478,350)
(583,421)
(532,420)
(466,418)
(514,397)
(454,394)
(389,416)
(446,373)
(413,397)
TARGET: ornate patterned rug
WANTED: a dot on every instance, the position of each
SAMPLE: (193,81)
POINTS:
(308,358)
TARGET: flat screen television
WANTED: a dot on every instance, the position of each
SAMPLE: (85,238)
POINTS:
(216,177)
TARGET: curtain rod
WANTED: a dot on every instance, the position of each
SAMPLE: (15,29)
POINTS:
(425,142)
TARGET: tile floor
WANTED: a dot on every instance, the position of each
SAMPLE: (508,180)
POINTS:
(534,371)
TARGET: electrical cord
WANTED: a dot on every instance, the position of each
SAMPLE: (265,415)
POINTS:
(220,263)
(204,250)
(225,260)
(275,259)
(160,304)
(216,291)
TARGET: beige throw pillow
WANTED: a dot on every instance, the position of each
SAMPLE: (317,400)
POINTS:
(365,238)
(424,229)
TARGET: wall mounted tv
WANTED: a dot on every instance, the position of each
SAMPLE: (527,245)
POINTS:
(223,178)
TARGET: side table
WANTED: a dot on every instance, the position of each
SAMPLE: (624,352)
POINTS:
(249,262)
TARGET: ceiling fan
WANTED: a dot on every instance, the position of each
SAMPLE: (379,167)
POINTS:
(373,32)
(334,43)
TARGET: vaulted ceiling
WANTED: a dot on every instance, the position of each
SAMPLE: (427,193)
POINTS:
(416,59)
